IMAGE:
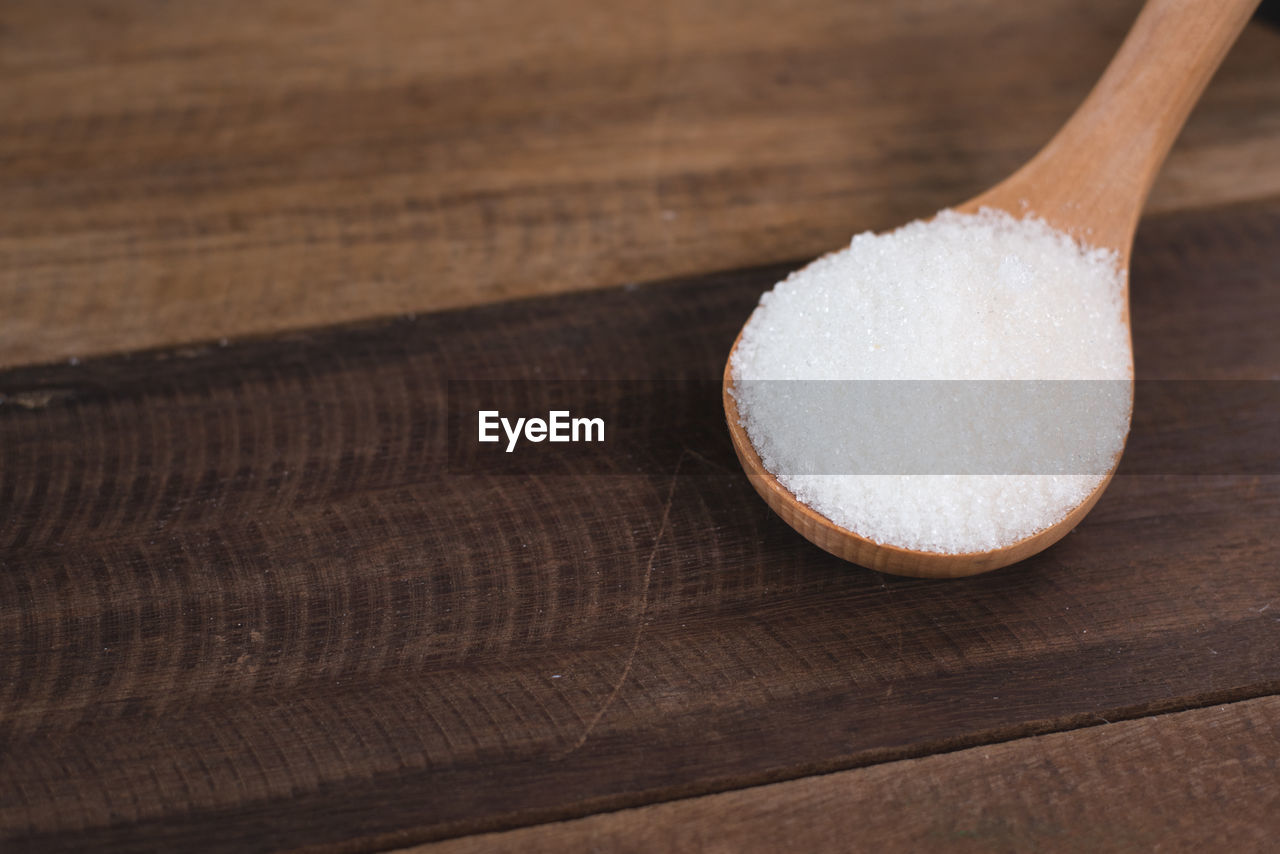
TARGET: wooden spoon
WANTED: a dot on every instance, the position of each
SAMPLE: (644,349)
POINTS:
(1090,181)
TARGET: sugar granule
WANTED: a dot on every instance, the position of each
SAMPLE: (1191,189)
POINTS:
(979,298)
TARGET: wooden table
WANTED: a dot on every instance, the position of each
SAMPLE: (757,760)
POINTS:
(254,257)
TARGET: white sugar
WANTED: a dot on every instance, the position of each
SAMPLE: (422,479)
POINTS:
(982,298)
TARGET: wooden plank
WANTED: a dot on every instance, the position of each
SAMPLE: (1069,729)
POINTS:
(180,172)
(1207,779)
(245,602)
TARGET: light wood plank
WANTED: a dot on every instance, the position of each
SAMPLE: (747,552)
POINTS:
(1201,780)
(191,171)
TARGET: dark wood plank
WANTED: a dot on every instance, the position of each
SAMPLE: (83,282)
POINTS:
(245,603)
(1202,780)
(185,171)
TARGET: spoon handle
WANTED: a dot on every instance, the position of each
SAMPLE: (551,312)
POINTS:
(1093,177)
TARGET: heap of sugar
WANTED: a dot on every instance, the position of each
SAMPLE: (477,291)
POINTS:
(922,461)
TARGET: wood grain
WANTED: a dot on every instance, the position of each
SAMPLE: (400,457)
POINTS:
(1202,780)
(245,604)
(175,172)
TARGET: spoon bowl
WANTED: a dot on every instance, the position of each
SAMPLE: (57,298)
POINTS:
(1091,182)
(845,544)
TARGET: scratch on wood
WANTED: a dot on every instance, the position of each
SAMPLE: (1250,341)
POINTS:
(686,451)
(38,399)
(644,607)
